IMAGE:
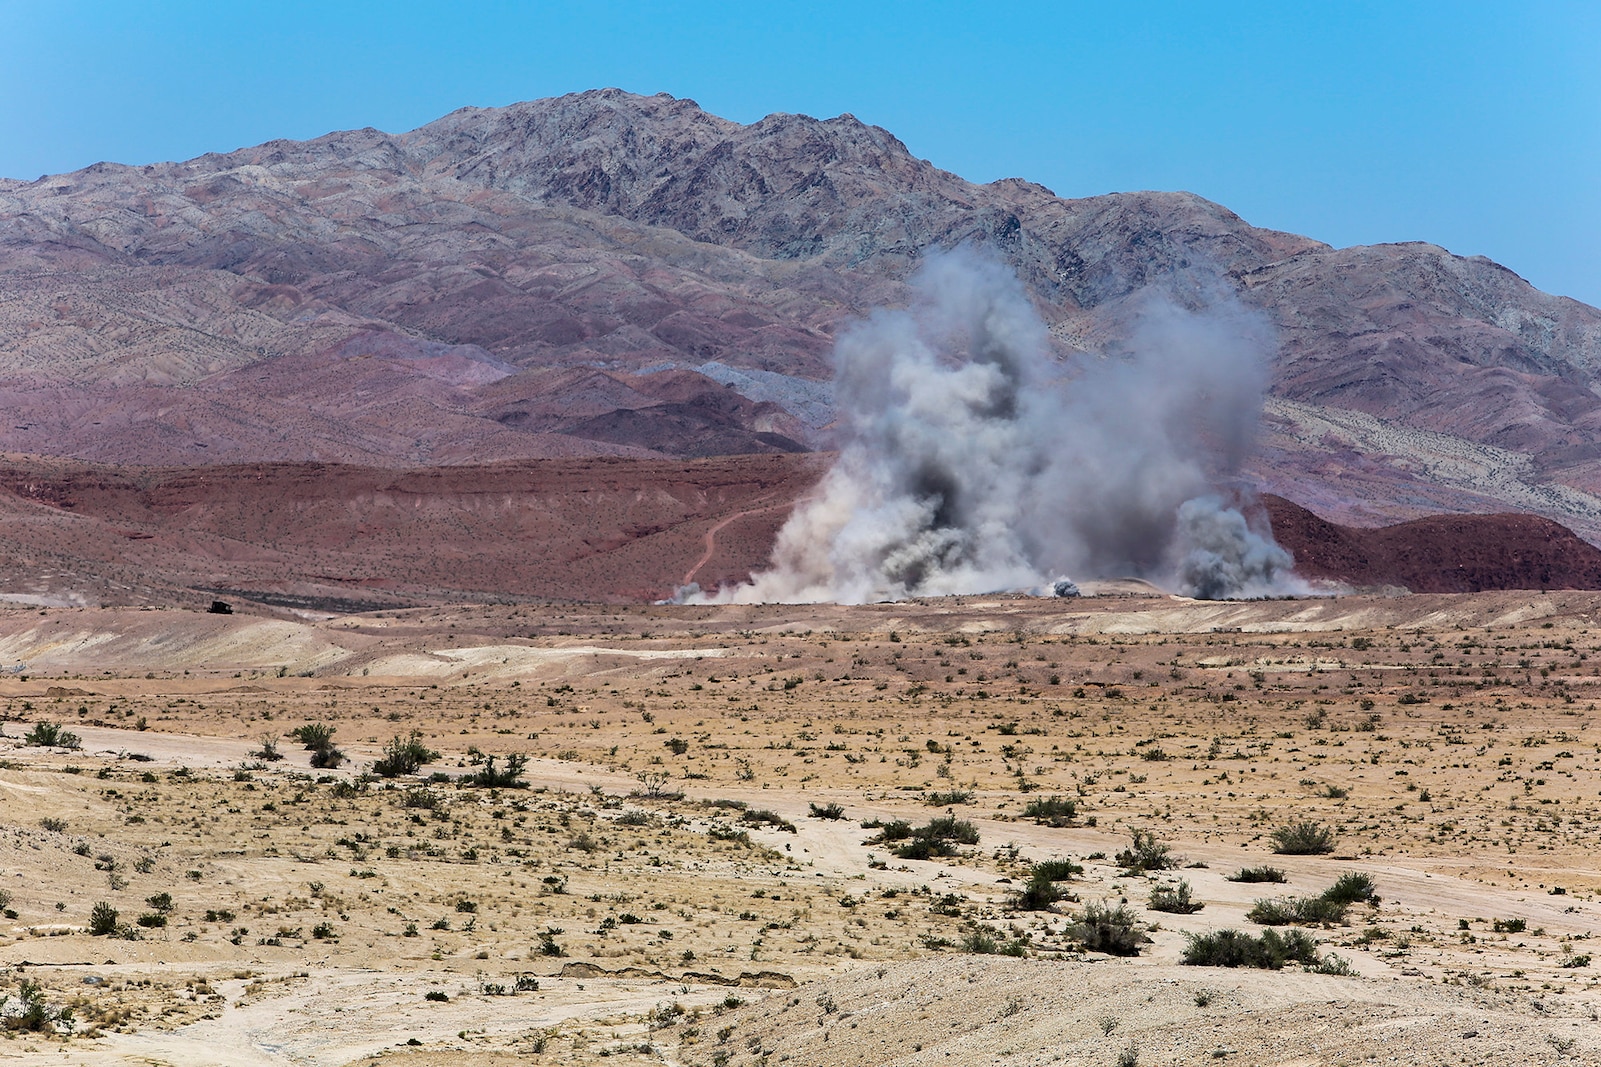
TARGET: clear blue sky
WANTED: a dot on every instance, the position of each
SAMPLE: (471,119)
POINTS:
(1473,125)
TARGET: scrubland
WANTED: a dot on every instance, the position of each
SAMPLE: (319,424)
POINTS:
(969,830)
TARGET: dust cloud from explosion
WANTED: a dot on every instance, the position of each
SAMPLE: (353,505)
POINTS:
(973,462)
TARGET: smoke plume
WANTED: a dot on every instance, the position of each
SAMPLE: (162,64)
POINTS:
(973,461)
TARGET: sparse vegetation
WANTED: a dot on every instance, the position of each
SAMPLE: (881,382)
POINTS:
(51,735)
(1109,928)
(404,755)
(1304,838)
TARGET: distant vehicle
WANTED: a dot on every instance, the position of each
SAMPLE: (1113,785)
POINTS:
(220,607)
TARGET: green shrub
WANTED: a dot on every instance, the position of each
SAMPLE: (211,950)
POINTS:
(314,735)
(1174,899)
(28,1012)
(947,799)
(1305,838)
(1353,887)
(827,811)
(1052,811)
(51,735)
(1296,911)
(1326,908)
(510,777)
(895,830)
(404,755)
(1231,948)
(1110,929)
(102,919)
(939,838)
(327,758)
(1038,894)
(1258,874)
(762,817)
(1145,853)
(1056,870)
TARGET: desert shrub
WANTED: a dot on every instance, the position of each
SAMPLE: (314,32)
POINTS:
(327,758)
(102,919)
(1145,853)
(509,777)
(1057,870)
(827,811)
(51,735)
(1326,908)
(1353,887)
(314,735)
(894,830)
(762,817)
(1232,948)
(404,755)
(438,995)
(27,1011)
(947,799)
(323,931)
(1110,929)
(1051,811)
(420,797)
(152,921)
(269,749)
(939,838)
(1304,838)
(1296,911)
(1174,899)
(53,824)
(982,941)
(1258,874)
(1510,926)
(1038,894)
(162,902)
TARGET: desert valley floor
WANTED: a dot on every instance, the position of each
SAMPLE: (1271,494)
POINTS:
(713,860)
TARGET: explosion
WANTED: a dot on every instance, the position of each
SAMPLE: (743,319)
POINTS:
(973,461)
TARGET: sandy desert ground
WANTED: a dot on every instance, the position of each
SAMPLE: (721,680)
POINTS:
(687,877)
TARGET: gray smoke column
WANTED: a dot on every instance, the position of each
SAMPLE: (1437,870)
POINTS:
(973,461)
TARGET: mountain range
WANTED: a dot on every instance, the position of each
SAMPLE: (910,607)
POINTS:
(611,279)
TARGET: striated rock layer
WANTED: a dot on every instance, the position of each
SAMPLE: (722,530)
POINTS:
(609,274)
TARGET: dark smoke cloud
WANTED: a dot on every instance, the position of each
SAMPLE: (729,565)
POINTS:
(973,461)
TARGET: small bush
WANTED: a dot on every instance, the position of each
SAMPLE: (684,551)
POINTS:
(1037,895)
(1353,887)
(54,825)
(51,735)
(1145,853)
(1231,948)
(1305,838)
(939,838)
(269,749)
(1057,870)
(895,830)
(510,777)
(314,735)
(1258,874)
(761,817)
(29,1013)
(1110,929)
(1326,908)
(327,758)
(404,755)
(102,919)
(827,811)
(1174,899)
(1052,811)
(947,799)
(1296,911)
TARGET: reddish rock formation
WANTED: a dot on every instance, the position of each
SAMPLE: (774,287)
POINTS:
(1439,553)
